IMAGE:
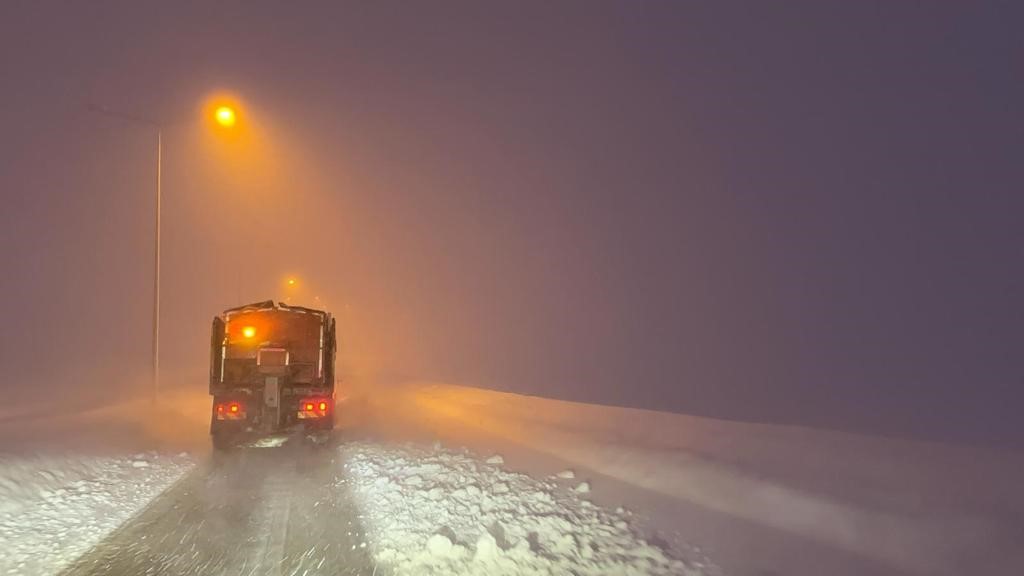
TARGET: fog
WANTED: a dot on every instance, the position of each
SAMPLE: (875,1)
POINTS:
(804,215)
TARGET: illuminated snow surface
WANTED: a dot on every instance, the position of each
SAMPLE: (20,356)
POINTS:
(435,511)
(53,509)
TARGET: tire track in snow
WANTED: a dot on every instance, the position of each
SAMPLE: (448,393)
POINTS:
(253,511)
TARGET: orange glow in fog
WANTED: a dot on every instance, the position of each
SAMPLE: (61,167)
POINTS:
(225,116)
(248,331)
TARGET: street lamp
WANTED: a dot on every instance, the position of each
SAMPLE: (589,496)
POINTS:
(226,117)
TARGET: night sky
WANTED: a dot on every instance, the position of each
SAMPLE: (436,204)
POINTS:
(796,212)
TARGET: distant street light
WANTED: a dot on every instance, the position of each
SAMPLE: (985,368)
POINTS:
(224,116)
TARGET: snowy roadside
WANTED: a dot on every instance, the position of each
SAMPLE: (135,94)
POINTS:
(53,509)
(435,511)
(757,498)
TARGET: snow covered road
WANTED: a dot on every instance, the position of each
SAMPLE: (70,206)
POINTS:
(285,507)
(358,506)
(443,480)
(288,508)
(282,509)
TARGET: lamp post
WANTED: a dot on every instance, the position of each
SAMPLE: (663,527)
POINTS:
(225,116)
(156,265)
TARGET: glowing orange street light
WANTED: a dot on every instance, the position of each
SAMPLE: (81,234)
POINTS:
(291,281)
(225,116)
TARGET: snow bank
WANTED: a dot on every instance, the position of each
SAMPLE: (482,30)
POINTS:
(53,509)
(179,421)
(432,511)
(912,506)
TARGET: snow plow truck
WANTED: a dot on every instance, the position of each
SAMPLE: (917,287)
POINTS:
(271,371)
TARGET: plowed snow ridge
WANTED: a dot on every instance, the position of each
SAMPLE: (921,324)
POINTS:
(434,511)
(53,509)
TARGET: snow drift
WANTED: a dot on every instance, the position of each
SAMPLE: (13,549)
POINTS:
(436,511)
(915,507)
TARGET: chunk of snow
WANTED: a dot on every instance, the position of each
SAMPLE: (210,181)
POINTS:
(566,474)
(486,548)
(496,459)
(582,487)
(140,464)
(439,545)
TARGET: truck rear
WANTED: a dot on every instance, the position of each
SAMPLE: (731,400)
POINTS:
(271,370)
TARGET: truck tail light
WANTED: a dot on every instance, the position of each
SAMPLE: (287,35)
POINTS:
(314,407)
(229,410)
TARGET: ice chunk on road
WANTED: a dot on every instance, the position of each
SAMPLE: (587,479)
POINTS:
(496,459)
(566,474)
(582,487)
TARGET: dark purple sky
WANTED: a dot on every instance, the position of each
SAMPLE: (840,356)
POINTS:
(795,212)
